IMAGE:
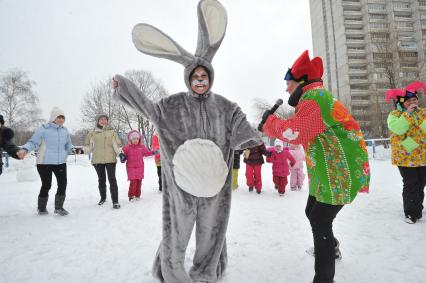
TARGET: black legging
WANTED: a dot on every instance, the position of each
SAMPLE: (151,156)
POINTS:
(45,172)
(413,192)
(110,171)
(159,177)
(321,217)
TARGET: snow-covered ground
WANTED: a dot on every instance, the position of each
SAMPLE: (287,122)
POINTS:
(267,235)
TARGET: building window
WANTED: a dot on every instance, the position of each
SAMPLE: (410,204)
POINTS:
(379,35)
(408,64)
(378,25)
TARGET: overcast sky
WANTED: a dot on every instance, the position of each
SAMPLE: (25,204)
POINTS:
(69,45)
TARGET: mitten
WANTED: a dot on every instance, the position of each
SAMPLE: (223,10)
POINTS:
(122,157)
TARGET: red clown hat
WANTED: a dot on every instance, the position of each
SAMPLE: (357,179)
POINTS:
(305,69)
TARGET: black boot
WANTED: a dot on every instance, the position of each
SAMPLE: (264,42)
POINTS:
(59,203)
(250,189)
(42,202)
(337,253)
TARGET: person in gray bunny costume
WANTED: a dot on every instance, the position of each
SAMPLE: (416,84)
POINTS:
(198,132)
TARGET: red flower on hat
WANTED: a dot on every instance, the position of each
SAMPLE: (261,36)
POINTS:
(304,66)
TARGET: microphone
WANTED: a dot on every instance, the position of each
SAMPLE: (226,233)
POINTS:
(269,112)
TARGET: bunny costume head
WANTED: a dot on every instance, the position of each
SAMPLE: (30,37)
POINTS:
(212,21)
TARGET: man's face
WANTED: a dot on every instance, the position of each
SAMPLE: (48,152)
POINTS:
(291,86)
(200,81)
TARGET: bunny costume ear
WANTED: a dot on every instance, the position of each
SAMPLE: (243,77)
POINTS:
(212,21)
(152,41)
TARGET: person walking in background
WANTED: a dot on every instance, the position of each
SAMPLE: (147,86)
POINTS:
(105,145)
(296,171)
(253,158)
(133,154)
(336,154)
(280,158)
(6,144)
(236,168)
(52,142)
(157,158)
(407,125)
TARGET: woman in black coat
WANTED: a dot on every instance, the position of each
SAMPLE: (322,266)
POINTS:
(6,144)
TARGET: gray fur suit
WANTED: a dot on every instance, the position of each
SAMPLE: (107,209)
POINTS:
(198,134)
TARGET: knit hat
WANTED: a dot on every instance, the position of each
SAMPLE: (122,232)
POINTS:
(55,113)
(401,95)
(102,115)
(1,119)
(134,135)
(304,69)
(278,142)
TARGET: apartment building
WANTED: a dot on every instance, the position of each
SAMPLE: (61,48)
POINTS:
(369,46)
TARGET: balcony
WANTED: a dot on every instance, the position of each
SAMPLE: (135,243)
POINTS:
(351,5)
(360,102)
(354,32)
(357,15)
(358,81)
(402,9)
(355,42)
(357,62)
(354,23)
(360,95)
(356,52)
(357,71)
(377,11)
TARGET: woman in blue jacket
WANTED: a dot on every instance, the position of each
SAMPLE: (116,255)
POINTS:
(53,143)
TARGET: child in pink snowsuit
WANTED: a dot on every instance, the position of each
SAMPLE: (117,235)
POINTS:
(134,153)
(296,171)
(280,158)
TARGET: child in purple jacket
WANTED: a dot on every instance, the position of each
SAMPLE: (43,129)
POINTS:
(134,152)
(280,158)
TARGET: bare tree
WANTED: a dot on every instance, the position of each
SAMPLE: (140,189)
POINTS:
(154,90)
(99,100)
(260,105)
(19,103)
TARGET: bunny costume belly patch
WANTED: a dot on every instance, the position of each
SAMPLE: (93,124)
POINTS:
(199,168)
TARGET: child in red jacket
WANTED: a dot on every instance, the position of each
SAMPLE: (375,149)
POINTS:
(280,158)
(134,152)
